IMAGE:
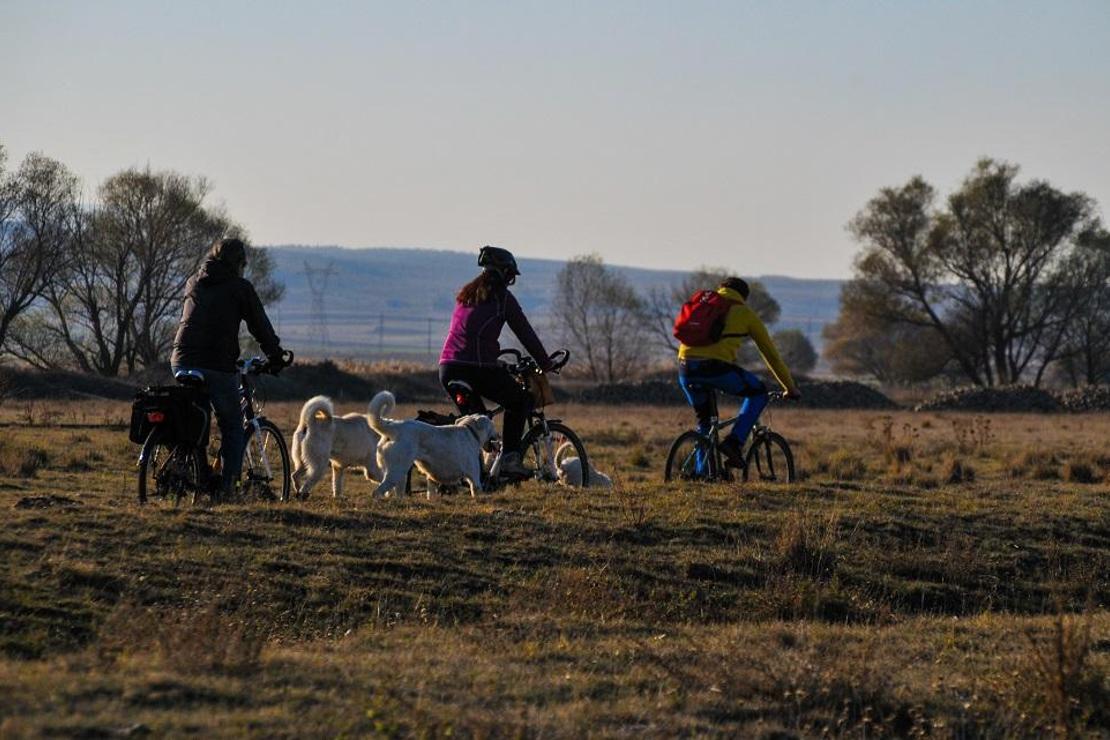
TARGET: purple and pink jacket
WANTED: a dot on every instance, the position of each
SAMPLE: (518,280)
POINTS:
(475,330)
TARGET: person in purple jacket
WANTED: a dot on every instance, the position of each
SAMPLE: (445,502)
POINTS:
(482,308)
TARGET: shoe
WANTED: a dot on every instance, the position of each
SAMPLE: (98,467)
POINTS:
(732,451)
(512,467)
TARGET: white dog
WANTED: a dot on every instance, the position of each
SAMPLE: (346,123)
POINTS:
(570,469)
(323,440)
(445,454)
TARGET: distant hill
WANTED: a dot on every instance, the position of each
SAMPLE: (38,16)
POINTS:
(382,302)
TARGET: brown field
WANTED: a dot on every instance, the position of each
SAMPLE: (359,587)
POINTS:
(932,575)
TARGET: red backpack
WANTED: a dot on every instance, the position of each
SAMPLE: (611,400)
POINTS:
(702,318)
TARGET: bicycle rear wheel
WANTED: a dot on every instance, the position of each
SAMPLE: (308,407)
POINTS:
(542,453)
(687,459)
(769,460)
(266,468)
(168,472)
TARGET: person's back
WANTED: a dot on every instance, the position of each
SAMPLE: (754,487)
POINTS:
(217,300)
(712,366)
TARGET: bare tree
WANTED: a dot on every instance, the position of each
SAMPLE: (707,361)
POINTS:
(115,304)
(989,273)
(599,317)
(662,304)
(1085,354)
(37,206)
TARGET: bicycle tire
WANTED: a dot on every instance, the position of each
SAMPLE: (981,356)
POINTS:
(534,451)
(676,469)
(259,475)
(762,459)
(174,469)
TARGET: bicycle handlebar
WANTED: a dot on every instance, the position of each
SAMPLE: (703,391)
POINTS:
(260,365)
(522,365)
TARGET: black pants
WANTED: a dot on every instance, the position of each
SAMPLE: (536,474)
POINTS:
(496,384)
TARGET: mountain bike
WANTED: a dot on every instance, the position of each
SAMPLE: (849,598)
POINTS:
(174,424)
(546,442)
(697,457)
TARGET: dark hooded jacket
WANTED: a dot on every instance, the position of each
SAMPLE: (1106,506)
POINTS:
(216,301)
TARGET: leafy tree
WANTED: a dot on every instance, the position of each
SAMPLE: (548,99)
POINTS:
(891,352)
(796,350)
(989,273)
(599,317)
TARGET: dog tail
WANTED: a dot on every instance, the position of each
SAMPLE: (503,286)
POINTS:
(319,405)
(380,405)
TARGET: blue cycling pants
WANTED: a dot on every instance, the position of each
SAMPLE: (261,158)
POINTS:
(726,378)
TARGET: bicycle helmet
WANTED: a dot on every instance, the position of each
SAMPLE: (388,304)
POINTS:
(499,261)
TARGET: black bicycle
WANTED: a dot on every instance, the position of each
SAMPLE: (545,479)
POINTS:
(697,457)
(546,444)
(174,424)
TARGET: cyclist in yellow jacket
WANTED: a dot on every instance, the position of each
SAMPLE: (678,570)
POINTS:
(714,366)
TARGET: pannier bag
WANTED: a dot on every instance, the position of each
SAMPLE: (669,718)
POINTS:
(181,413)
(702,318)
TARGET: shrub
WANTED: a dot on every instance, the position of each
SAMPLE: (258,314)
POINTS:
(957,471)
(845,465)
(1080,471)
(22,462)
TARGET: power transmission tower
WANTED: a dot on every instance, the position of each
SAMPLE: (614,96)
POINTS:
(317,278)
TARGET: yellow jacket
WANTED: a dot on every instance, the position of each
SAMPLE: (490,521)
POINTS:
(741,322)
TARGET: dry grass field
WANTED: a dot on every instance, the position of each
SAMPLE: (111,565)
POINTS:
(931,575)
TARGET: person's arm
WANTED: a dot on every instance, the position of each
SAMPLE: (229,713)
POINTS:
(770,353)
(258,323)
(518,322)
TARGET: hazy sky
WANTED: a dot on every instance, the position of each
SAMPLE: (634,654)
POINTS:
(661,134)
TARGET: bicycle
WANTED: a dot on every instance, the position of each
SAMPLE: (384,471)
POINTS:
(174,423)
(697,456)
(544,439)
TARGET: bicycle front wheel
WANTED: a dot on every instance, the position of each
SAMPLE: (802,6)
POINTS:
(266,467)
(689,458)
(769,460)
(168,472)
(543,453)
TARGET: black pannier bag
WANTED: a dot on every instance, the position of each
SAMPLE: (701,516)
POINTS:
(182,413)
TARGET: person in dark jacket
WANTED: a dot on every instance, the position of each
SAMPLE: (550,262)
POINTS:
(217,299)
(482,308)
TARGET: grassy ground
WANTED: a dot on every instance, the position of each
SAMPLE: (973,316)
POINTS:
(932,574)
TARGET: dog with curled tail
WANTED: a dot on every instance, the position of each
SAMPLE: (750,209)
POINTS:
(445,454)
(323,440)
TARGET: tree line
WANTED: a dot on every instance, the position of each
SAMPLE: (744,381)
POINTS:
(1002,282)
(97,286)
(616,333)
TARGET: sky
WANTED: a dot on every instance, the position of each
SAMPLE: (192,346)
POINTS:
(657,134)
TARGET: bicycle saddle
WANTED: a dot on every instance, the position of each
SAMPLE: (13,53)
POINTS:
(466,399)
(190,378)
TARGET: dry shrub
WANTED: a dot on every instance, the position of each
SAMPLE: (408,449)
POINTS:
(208,640)
(1080,471)
(806,544)
(17,461)
(1035,464)
(957,471)
(844,464)
(640,458)
(897,447)
(973,436)
(1057,689)
(189,640)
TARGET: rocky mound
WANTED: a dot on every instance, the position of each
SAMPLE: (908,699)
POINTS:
(20,383)
(1088,398)
(842,394)
(1012,399)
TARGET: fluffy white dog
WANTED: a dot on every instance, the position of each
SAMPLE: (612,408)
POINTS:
(570,469)
(323,440)
(445,454)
